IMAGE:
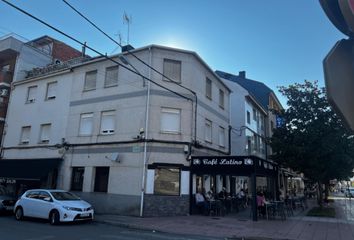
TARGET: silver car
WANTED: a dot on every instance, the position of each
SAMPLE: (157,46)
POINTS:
(55,205)
(7,201)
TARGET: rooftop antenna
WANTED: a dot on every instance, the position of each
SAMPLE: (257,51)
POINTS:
(127,20)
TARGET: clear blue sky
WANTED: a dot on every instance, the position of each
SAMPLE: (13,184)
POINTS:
(278,42)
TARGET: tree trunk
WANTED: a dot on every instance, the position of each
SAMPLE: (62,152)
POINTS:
(319,194)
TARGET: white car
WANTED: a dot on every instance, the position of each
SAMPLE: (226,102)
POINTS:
(55,205)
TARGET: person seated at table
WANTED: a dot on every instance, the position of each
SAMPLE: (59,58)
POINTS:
(223,194)
(209,196)
(201,202)
(261,203)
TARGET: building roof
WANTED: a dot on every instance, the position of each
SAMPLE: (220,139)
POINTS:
(258,90)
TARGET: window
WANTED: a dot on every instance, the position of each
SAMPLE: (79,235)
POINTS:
(262,122)
(221,99)
(254,114)
(208,88)
(208,130)
(172,69)
(77,179)
(221,136)
(25,135)
(167,181)
(108,122)
(170,120)
(31,94)
(51,90)
(90,80)
(101,179)
(248,117)
(45,133)
(86,124)
(111,78)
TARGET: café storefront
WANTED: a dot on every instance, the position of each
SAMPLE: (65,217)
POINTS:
(18,175)
(250,173)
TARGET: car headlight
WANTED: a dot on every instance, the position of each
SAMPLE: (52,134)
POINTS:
(89,208)
(72,208)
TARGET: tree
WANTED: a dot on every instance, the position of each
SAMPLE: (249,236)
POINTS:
(312,138)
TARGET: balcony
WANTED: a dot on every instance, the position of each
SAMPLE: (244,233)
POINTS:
(6,77)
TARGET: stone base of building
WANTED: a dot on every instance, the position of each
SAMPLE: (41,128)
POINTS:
(155,205)
(107,203)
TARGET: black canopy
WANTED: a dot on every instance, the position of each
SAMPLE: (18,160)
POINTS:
(27,169)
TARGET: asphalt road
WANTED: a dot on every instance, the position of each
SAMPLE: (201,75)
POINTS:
(32,229)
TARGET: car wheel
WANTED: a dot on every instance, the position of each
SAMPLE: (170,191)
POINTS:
(54,217)
(19,213)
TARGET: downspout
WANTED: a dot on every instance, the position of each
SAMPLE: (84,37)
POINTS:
(145,138)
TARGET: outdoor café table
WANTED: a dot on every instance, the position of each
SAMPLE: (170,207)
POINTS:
(279,208)
(268,207)
(214,206)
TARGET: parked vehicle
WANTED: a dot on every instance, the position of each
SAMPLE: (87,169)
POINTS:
(7,201)
(55,205)
(349,192)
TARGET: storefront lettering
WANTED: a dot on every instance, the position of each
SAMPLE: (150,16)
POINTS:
(7,181)
(210,161)
(230,162)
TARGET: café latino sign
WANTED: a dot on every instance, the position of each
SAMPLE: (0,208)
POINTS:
(212,161)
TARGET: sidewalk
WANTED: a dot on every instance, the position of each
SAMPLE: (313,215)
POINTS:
(297,227)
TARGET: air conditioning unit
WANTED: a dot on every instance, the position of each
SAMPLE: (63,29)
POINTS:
(4,92)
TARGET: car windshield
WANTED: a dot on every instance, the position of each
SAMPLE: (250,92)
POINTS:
(64,196)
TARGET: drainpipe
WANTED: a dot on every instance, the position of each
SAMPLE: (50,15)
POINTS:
(145,139)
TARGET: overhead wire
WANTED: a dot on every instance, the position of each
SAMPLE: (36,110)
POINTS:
(92,49)
(143,62)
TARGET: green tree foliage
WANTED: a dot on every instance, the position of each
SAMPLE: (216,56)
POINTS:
(312,139)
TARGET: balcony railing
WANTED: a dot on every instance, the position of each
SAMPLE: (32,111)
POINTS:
(6,77)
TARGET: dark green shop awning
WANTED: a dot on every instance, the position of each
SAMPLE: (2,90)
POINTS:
(31,169)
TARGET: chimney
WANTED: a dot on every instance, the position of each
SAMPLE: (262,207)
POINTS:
(242,74)
(83,50)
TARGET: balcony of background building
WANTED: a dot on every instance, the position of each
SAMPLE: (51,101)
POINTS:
(6,77)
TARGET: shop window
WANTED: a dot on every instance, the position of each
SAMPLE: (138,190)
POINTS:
(170,120)
(51,90)
(167,181)
(101,179)
(111,78)
(172,70)
(25,134)
(86,124)
(90,80)
(77,179)
(31,94)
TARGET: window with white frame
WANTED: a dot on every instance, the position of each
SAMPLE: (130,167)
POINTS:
(111,78)
(90,80)
(51,90)
(167,181)
(208,130)
(248,114)
(172,70)
(170,120)
(25,134)
(45,133)
(254,114)
(221,136)
(86,124)
(108,122)
(221,99)
(208,88)
(31,94)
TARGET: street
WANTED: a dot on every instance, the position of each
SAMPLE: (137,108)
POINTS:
(32,229)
